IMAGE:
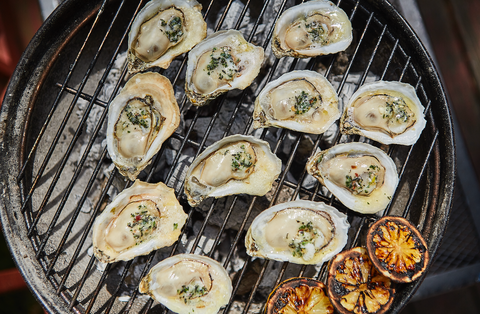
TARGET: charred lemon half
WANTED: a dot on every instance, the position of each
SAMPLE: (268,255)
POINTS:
(397,249)
(299,295)
(355,286)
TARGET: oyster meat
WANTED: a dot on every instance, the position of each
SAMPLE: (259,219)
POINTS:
(300,232)
(139,220)
(222,62)
(387,112)
(313,28)
(236,164)
(140,118)
(303,101)
(162,30)
(360,175)
(188,283)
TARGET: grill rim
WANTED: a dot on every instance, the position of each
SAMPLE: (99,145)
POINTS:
(32,70)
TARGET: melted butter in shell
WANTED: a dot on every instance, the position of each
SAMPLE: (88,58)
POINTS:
(298,100)
(361,175)
(306,31)
(390,114)
(215,68)
(301,231)
(234,161)
(158,34)
(137,127)
(133,225)
(187,280)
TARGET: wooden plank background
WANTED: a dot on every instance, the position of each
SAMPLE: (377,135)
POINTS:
(454,30)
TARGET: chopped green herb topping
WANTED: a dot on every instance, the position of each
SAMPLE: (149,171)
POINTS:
(363,184)
(142,224)
(226,61)
(241,160)
(138,117)
(397,110)
(306,235)
(304,102)
(191,291)
(175,226)
(317,33)
(174,29)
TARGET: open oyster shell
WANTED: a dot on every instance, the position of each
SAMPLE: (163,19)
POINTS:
(142,218)
(301,232)
(234,165)
(387,112)
(140,118)
(313,28)
(360,175)
(162,30)
(222,62)
(303,101)
(188,283)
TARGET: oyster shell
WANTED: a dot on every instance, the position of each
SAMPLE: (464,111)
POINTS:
(360,175)
(387,112)
(313,28)
(303,101)
(222,62)
(188,283)
(142,218)
(162,30)
(140,118)
(236,164)
(301,232)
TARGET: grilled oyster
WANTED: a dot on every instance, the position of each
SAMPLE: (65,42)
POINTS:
(313,28)
(162,30)
(301,232)
(360,175)
(387,112)
(188,283)
(236,164)
(303,101)
(140,118)
(142,218)
(222,62)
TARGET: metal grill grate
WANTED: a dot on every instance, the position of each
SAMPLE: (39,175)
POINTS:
(66,177)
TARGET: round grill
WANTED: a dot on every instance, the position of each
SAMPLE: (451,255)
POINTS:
(57,177)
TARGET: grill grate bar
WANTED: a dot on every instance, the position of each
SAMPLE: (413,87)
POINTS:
(60,131)
(84,96)
(83,158)
(199,145)
(74,179)
(77,134)
(57,99)
(205,137)
(390,58)
(236,285)
(73,300)
(74,217)
(85,233)
(97,290)
(117,290)
(355,53)
(417,184)
(255,287)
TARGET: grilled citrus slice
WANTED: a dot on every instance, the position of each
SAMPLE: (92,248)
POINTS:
(299,295)
(397,249)
(355,286)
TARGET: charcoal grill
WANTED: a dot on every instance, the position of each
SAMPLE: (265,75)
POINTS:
(57,177)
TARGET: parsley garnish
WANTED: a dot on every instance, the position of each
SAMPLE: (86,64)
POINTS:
(241,160)
(174,30)
(191,291)
(303,102)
